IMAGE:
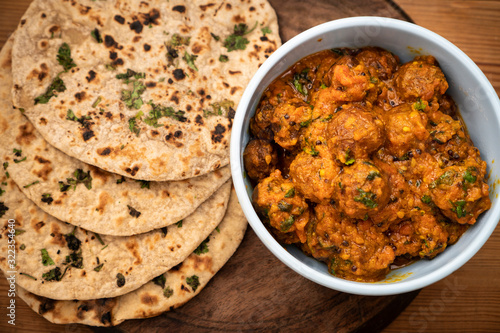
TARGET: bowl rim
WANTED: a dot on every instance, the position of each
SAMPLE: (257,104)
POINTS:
(360,288)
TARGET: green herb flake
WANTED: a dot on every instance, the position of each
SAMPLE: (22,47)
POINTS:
(222,108)
(99,238)
(190,60)
(290,193)
(179,224)
(54,274)
(237,41)
(168,292)
(372,175)
(287,223)
(366,198)
(97,101)
(217,229)
(5,165)
(132,98)
(323,86)
(160,280)
(132,126)
(99,267)
(284,206)
(97,35)
(56,86)
(46,259)
(459,208)
(80,177)
(159,111)
(83,120)
(178,40)
(469,177)
(64,57)
(121,180)
(214,36)
(19,232)
(22,247)
(144,183)
(266,30)
(223,58)
(426,199)
(28,276)
(47,198)
(193,282)
(34,183)
(203,247)
(419,105)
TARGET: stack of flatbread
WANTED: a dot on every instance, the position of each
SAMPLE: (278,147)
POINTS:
(115,117)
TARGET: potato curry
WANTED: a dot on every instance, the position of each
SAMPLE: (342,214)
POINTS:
(364,162)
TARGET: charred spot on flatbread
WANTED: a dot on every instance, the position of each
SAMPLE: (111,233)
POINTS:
(181,9)
(179,74)
(136,26)
(119,19)
(218,133)
(91,76)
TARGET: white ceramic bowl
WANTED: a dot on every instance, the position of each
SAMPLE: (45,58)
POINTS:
(478,104)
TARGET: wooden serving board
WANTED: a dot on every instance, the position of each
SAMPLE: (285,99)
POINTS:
(254,291)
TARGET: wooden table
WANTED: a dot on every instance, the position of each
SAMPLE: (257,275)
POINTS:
(467,300)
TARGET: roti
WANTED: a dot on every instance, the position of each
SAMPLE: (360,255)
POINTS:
(142,89)
(97,201)
(166,292)
(62,261)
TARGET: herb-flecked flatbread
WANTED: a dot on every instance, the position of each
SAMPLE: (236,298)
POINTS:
(84,195)
(144,89)
(165,292)
(62,261)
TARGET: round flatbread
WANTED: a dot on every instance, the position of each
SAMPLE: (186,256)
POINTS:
(84,195)
(61,261)
(143,89)
(166,292)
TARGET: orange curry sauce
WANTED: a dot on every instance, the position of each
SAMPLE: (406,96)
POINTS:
(363,162)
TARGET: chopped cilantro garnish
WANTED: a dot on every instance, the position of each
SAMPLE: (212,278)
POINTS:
(426,199)
(290,193)
(27,275)
(301,81)
(56,86)
(159,111)
(203,247)
(64,57)
(217,38)
(179,224)
(287,224)
(284,206)
(419,105)
(190,60)
(97,35)
(236,41)
(47,198)
(99,267)
(266,30)
(193,281)
(366,198)
(459,208)
(223,58)
(19,232)
(160,281)
(121,180)
(132,125)
(468,176)
(34,183)
(372,175)
(83,120)
(144,183)
(81,177)
(132,98)
(97,101)
(348,158)
(46,259)
(178,40)
(168,292)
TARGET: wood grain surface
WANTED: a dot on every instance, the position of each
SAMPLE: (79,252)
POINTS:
(256,292)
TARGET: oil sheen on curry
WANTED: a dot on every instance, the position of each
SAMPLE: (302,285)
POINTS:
(364,162)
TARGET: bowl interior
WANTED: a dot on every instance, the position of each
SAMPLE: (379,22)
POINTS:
(476,99)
